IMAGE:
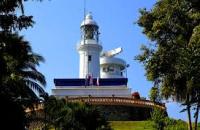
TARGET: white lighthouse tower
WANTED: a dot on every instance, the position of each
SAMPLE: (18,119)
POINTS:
(89,48)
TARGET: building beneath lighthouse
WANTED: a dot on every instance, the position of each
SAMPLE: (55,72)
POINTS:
(101,73)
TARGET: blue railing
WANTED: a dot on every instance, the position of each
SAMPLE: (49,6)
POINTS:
(88,82)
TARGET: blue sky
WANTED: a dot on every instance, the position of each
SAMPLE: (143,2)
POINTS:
(57,31)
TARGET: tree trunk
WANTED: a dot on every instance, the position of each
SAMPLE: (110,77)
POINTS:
(196,116)
(189,117)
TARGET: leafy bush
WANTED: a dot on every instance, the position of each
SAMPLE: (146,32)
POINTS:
(172,124)
(74,116)
(162,122)
(158,118)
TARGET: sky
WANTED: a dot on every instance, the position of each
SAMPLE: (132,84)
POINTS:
(57,31)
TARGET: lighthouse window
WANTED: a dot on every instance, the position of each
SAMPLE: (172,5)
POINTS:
(105,69)
(89,58)
(110,68)
(89,30)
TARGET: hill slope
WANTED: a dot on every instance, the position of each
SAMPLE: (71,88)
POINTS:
(131,125)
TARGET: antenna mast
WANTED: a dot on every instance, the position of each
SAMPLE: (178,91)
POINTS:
(84,13)
(85,38)
(84,8)
(84,18)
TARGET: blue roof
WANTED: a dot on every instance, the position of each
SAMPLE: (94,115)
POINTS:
(85,82)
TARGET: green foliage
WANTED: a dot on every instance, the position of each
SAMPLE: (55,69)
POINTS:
(154,94)
(73,116)
(131,125)
(172,62)
(160,121)
(172,124)
(9,20)
(158,118)
(19,75)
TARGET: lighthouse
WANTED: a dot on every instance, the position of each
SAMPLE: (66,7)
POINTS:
(89,48)
(101,74)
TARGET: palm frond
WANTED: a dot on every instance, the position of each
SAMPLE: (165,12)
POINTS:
(35,86)
(20,4)
(34,75)
(38,57)
(29,66)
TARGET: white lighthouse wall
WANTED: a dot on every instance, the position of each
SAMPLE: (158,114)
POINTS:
(111,71)
(82,66)
(112,67)
(93,91)
(89,67)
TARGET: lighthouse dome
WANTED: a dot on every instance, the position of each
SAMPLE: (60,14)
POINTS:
(89,20)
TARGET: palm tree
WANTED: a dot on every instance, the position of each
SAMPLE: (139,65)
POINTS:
(20,82)
(20,77)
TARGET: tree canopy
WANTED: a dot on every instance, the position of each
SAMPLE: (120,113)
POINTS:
(19,75)
(20,81)
(172,61)
(73,116)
